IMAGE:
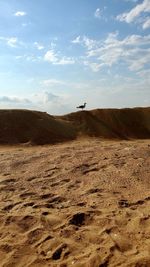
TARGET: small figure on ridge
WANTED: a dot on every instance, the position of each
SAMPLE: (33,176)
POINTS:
(82,106)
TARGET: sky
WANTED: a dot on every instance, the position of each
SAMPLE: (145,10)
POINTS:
(58,54)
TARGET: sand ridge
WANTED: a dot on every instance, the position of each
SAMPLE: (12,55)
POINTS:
(38,128)
(84,203)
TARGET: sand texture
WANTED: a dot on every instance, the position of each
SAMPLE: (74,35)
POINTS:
(84,203)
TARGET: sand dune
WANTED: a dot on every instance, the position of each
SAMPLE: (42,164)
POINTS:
(22,126)
(112,123)
(82,204)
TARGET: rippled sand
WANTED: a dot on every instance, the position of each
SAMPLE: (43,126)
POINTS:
(83,204)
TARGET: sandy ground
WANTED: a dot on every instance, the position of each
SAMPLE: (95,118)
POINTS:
(83,204)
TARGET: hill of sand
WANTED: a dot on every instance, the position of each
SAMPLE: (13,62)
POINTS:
(112,123)
(22,126)
(84,203)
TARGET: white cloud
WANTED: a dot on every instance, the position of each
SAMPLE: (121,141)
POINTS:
(10,41)
(98,13)
(50,56)
(52,82)
(14,100)
(29,57)
(48,97)
(145,74)
(38,46)
(65,61)
(94,66)
(44,101)
(51,102)
(89,43)
(136,12)
(52,45)
(55,59)
(85,41)
(132,51)
(139,59)
(146,24)
(77,40)
(19,57)
(20,14)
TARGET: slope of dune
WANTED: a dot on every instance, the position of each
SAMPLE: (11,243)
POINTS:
(22,126)
(113,123)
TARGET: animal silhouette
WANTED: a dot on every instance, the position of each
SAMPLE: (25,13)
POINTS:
(82,106)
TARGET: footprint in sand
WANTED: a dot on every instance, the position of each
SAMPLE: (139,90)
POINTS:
(45,196)
(94,190)
(27,194)
(57,254)
(32,178)
(10,206)
(7,189)
(26,222)
(34,235)
(29,204)
(123,203)
(6,248)
(7,181)
(80,219)
(54,184)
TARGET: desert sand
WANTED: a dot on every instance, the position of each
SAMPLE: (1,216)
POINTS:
(82,203)
(39,128)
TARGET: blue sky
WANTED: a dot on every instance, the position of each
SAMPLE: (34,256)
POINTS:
(57,54)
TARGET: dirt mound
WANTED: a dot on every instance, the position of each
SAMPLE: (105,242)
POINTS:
(112,123)
(22,126)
